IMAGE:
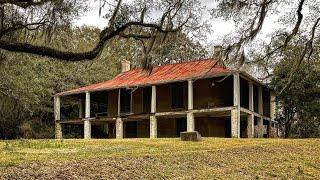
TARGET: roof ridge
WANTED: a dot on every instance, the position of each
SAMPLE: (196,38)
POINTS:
(183,62)
(164,73)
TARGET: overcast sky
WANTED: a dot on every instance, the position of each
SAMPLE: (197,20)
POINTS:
(219,28)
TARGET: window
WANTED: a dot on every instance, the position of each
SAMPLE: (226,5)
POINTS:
(177,95)
(125,101)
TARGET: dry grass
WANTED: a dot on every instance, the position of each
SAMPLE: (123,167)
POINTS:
(160,159)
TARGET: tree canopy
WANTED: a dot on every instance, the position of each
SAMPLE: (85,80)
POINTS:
(125,20)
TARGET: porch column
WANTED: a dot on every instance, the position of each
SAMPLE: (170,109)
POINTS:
(81,108)
(235,113)
(58,127)
(190,115)
(153,118)
(250,117)
(87,123)
(119,121)
(260,111)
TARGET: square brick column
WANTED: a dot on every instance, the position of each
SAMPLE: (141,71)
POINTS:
(57,116)
(119,128)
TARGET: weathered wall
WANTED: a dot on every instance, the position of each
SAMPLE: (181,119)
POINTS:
(164,97)
(205,95)
(212,127)
(166,127)
(113,103)
(266,102)
(143,129)
(137,101)
(211,93)
(244,93)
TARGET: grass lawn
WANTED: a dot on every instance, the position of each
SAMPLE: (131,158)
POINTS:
(160,159)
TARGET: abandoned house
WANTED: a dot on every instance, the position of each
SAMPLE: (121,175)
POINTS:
(201,95)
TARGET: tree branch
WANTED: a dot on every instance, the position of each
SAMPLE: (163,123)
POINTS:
(305,50)
(297,25)
(24,3)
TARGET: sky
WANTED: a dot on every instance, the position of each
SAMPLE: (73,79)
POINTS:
(219,28)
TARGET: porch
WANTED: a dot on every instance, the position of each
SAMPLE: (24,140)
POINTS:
(228,105)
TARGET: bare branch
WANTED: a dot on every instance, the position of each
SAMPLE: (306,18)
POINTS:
(307,47)
(297,26)
(24,3)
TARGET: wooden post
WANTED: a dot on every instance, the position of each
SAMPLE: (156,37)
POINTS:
(57,116)
(235,113)
(190,115)
(87,123)
(250,117)
(153,118)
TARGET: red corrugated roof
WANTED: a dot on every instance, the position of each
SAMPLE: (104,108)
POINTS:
(160,74)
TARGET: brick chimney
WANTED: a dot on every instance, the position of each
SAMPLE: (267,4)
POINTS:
(125,66)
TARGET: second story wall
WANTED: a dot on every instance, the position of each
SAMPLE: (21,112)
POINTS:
(213,92)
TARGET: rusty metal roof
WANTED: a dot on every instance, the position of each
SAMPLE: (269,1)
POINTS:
(160,74)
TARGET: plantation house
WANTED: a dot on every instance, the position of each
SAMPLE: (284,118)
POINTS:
(201,95)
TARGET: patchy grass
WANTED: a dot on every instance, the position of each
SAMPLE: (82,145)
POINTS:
(160,158)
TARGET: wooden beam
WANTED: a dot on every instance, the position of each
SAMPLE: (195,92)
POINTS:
(247,111)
